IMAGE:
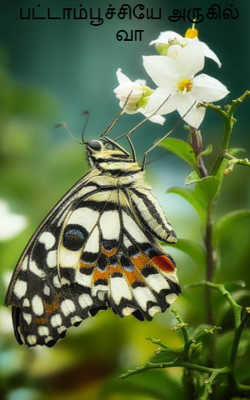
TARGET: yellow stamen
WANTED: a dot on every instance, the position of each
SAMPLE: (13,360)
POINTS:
(191,33)
(185,86)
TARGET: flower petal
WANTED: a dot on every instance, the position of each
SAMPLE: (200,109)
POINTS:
(157,99)
(191,59)
(133,89)
(157,119)
(161,69)
(122,77)
(165,37)
(130,110)
(210,54)
(174,50)
(141,82)
(208,89)
(194,116)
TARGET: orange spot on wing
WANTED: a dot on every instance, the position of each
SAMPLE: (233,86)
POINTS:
(85,265)
(41,321)
(50,308)
(164,263)
(132,276)
(98,274)
(140,261)
(109,253)
(115,268)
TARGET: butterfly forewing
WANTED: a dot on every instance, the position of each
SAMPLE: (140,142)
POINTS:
(96,249)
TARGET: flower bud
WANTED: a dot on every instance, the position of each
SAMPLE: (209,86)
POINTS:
(191,33)
(132,92)
(135,95)
(174,50)
(162,48)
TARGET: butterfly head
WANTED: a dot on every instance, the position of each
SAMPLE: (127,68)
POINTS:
(106,150)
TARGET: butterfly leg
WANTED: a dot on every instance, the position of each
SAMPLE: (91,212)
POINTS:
(110,126)
(164,137)
(152,147)
(132,147)
(142,122)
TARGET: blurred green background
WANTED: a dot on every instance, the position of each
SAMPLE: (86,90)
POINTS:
(49,72)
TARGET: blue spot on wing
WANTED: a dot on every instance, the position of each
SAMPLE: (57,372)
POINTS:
(74,237)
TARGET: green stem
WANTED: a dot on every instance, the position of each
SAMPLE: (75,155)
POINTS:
(184,328)
(208,385)
(176,363)
(229,122)
(164,348)
(228,127)
(210,267)
(204,333)
(240,161)
(159,342)
(237,336)
(210,270)
(188,377)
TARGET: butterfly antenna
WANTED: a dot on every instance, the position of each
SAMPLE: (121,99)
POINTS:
(65,126)
(143,121)
(86,114)
(110,126)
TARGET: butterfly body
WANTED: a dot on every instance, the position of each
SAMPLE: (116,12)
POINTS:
(96,249)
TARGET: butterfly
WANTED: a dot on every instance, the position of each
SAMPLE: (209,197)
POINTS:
(97,248)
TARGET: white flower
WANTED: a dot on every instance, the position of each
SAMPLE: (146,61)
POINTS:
(136,95)
(176,77)
(171,39)
(10,224)
(133,91)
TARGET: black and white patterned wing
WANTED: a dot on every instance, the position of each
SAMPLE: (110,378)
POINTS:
(96,249)
(43,304)
(132,272)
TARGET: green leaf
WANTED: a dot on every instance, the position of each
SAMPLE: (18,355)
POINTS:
(194,197)
(181,149)
(192,178)
(193,249)
(209,185)
(230,219)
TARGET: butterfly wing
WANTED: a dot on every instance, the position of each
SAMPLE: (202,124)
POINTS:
(141,277)
(150,213)
(120,265)
(43,306)
(95,250)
